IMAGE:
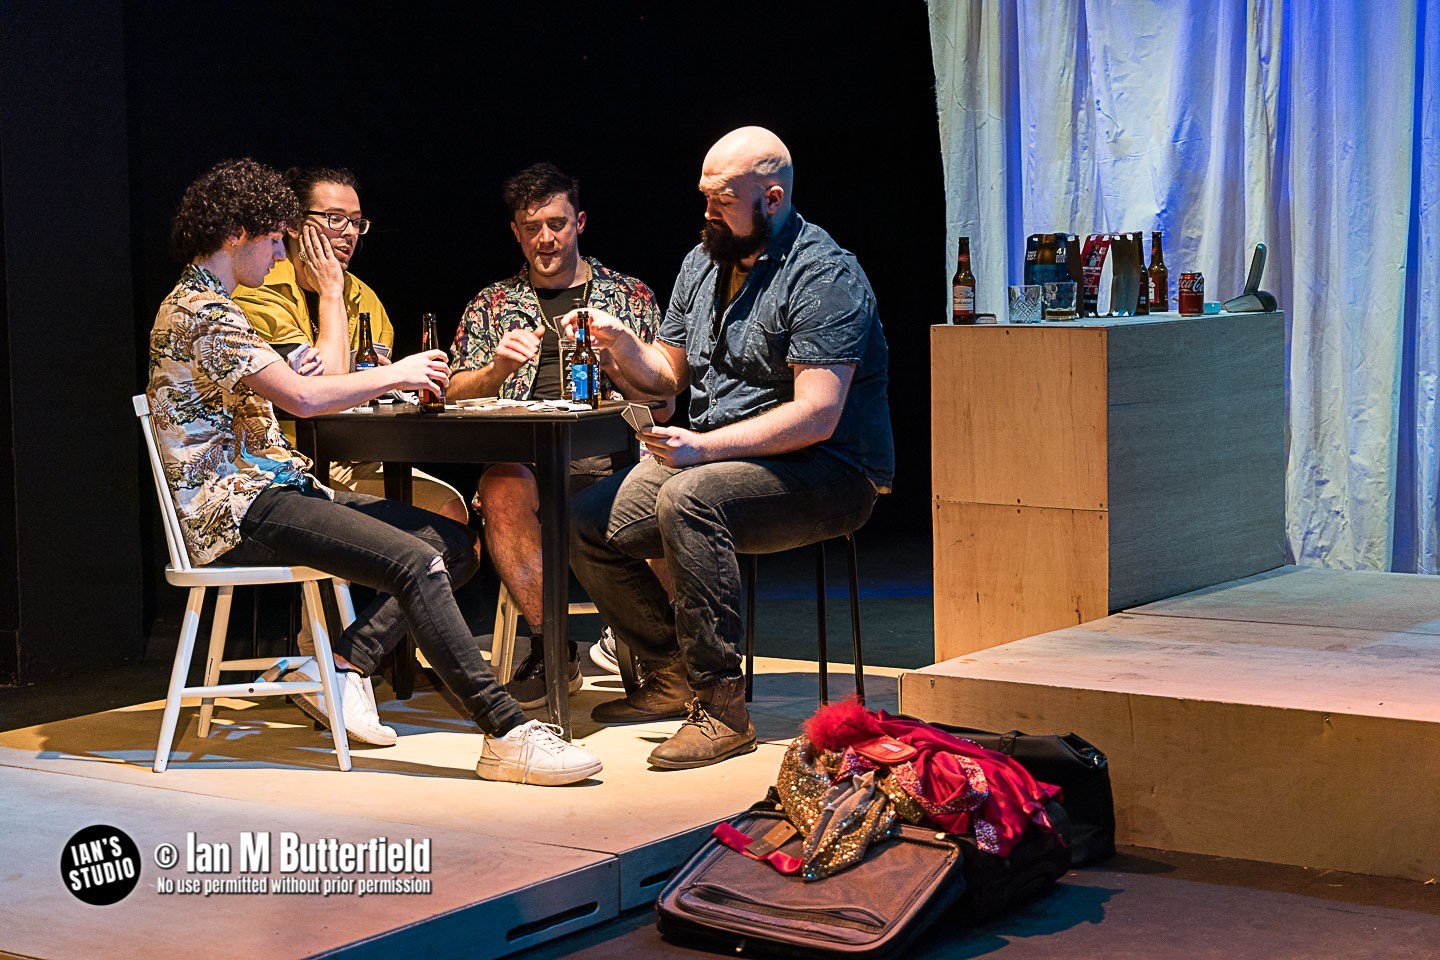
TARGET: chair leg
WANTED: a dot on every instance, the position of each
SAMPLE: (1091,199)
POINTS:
(751,562)
(820,621)
(189,627)
(219,627)
(502,641)
(855,619)
(325,659)
(343,601)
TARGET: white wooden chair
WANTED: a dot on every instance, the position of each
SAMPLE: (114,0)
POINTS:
(197,579)
(502,644)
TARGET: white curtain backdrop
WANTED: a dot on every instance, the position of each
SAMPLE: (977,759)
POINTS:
(1308,126)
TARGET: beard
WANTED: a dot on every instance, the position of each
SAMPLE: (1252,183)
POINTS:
(725,248)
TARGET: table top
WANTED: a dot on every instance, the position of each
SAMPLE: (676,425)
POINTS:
(387,411)
(400,433)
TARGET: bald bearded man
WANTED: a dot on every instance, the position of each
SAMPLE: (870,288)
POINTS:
(775,330)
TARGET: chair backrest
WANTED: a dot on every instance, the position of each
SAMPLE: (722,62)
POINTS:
(179,555)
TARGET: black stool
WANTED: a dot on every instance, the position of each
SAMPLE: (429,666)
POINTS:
(750,570)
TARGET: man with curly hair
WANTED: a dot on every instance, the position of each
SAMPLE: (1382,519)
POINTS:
(508,345)
(245,496)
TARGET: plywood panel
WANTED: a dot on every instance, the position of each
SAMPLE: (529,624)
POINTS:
(1018,415)
(1002,573)
(1394,602)
(1275,665)
(1311,788)
(1196,453)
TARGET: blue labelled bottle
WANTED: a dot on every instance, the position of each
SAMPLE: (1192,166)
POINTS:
(584,371)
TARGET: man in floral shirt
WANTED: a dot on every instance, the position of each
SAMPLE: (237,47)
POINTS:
(508,345)
(246,497)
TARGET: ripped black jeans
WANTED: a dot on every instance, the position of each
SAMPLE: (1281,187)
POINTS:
(413,557)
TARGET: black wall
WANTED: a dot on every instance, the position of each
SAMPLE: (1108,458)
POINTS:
(433,105)
(68,498)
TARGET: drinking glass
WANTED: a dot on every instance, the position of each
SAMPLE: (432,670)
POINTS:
(1057,300)
(1025,303)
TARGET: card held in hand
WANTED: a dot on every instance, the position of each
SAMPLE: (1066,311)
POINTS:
(638,416)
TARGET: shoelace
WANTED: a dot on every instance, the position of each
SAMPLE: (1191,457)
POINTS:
(531,666)
(538,732)
(697,712)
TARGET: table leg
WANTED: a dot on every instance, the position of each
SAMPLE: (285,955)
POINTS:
(552,474)
(399,486)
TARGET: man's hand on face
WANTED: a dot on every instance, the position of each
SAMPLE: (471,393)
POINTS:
(674,446)
(305,360)
(515,349)
(318,266)
(426,370)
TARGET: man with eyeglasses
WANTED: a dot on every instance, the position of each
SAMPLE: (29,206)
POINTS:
(508,345)
(309,308)
(245,496)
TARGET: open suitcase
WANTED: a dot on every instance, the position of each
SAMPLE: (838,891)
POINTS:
(723,899)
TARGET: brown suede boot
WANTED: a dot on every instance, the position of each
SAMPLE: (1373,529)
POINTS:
(661,692)
(718,728)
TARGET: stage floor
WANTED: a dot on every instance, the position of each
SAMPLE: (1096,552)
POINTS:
(510,866)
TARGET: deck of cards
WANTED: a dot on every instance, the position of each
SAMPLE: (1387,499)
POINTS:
(638,416)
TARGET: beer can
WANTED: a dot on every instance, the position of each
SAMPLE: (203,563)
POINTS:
(1192,294)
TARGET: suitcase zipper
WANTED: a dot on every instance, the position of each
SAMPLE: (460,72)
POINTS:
(859,919)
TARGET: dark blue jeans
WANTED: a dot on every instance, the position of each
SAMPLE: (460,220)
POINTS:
(413,557)
(698,518)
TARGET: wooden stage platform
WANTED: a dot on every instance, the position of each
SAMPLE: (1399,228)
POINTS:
(511,866)
(1291,717)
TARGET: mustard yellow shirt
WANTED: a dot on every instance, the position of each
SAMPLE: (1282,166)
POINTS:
(278,312)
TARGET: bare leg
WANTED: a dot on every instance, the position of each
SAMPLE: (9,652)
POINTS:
(509,503)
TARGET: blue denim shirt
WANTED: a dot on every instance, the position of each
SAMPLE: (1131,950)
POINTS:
(806,301)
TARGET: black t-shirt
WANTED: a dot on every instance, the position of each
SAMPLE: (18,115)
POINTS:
(554,304)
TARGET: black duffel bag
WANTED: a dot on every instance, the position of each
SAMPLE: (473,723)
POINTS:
(1075,766)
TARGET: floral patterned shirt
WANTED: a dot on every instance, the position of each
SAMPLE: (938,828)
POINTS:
(511,304)
(219,442)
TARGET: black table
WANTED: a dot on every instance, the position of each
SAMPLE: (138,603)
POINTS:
(398,435)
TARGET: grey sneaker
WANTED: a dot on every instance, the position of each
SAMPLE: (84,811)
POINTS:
(602,652)
(534,753)
(528,684)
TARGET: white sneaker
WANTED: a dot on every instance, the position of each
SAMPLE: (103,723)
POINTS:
(602,652)
(534,753)
(357,704)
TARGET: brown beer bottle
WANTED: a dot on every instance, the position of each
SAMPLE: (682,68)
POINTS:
(1159,275)
(962,287)
(431,401)
(584,370)
(366,357)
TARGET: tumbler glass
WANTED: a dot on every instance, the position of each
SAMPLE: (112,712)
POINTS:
(1025,303)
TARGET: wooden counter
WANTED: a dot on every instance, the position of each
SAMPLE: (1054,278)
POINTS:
(1084,467)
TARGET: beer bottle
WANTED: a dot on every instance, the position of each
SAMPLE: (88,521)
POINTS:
(1142,301)
(366,357)
(431,401)
(584,370)
(962,287)
(1159,275)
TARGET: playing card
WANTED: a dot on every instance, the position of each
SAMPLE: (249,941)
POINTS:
(638,416)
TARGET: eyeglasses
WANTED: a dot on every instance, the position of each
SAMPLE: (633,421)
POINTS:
(338,221)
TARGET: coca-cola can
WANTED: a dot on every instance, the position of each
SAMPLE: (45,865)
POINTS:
(1192,294)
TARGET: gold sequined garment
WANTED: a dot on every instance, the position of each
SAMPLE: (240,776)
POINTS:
(840,811)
